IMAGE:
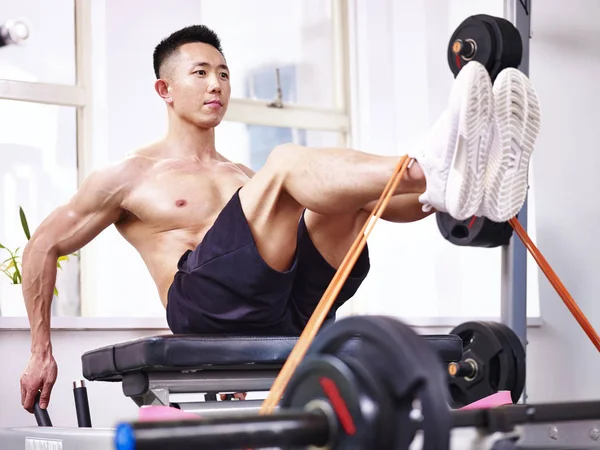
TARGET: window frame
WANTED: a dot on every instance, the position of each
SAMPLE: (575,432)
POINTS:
(250,111)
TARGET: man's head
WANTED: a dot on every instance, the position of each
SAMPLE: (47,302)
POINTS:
(192,75)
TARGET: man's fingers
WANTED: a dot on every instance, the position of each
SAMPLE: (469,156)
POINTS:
(29,400)
(45,396)
(237,395)
(22,394)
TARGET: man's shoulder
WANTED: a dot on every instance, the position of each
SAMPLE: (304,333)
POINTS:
(124,173)
(247,170)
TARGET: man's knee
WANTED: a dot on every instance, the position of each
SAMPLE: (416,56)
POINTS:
(284,158)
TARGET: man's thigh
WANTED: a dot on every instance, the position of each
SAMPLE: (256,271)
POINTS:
(272,215)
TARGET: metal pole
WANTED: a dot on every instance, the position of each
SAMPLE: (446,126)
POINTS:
(514,256)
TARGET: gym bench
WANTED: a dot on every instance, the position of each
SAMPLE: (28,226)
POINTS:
(189,371)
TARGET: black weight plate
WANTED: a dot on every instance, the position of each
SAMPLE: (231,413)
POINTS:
(509,371)
(492,358)
(496,43)
(408,369)
(381,417)
(435,421)
(510,52)
(520,360)
(473,232)
(328,379)
(485,39)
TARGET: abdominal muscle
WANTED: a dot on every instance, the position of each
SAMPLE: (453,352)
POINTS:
(161,253)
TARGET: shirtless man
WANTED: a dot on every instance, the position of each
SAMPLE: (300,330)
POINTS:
(232,251)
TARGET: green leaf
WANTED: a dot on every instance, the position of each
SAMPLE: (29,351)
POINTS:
(15,278)
(55,291)
(6,260)
(58,265)
(63,258)
(24,223)
(2,246)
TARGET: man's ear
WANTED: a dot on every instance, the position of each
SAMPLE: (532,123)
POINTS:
(163,89)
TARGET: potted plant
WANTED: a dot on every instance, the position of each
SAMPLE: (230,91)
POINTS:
(11,294)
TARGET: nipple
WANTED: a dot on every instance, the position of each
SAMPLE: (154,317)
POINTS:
(180,203)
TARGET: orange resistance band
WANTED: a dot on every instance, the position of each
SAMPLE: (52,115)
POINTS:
(320,313)
(560,288)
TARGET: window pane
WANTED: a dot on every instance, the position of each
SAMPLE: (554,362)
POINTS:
(296,37)
(38,172)
(251,144)
(48,54)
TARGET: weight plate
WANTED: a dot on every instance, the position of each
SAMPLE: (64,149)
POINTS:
(519,359)
(434,412)
(328,380)
(473,232)
(493,359)
(493,41)
(404,365)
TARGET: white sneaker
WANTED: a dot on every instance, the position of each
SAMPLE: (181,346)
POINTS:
(454,154)
(516,128)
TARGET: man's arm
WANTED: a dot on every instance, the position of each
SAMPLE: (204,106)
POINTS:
(67,229)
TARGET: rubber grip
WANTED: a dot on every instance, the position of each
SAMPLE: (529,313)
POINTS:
(82,407)
(41,415)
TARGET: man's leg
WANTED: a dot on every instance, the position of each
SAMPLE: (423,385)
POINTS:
(341,182)
(330,182)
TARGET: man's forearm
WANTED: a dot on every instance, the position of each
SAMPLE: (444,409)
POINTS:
(39,279)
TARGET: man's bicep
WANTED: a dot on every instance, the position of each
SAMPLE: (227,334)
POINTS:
(94,207)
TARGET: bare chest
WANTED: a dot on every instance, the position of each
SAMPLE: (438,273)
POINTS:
(183,199)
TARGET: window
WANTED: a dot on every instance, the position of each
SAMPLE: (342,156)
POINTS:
(41,133)
(296,37)
(251,144)
(38,172)
(48,52)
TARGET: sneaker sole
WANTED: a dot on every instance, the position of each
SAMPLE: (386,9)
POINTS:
(517,115)
(474,104)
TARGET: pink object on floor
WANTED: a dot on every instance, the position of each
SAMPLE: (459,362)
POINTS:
(151,413)
(498,399)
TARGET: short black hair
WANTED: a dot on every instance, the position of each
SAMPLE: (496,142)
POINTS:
(170,44)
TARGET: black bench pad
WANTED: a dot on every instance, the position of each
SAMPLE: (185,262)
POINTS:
(175,353)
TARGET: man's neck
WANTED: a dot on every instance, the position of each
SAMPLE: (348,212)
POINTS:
(186,140)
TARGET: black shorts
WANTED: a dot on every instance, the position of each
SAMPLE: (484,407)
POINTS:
(225,287)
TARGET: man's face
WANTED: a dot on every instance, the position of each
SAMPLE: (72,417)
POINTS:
(198,81)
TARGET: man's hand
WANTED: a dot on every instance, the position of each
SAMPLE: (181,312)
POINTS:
(40,374)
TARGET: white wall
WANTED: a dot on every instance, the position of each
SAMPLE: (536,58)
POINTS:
(567,213)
